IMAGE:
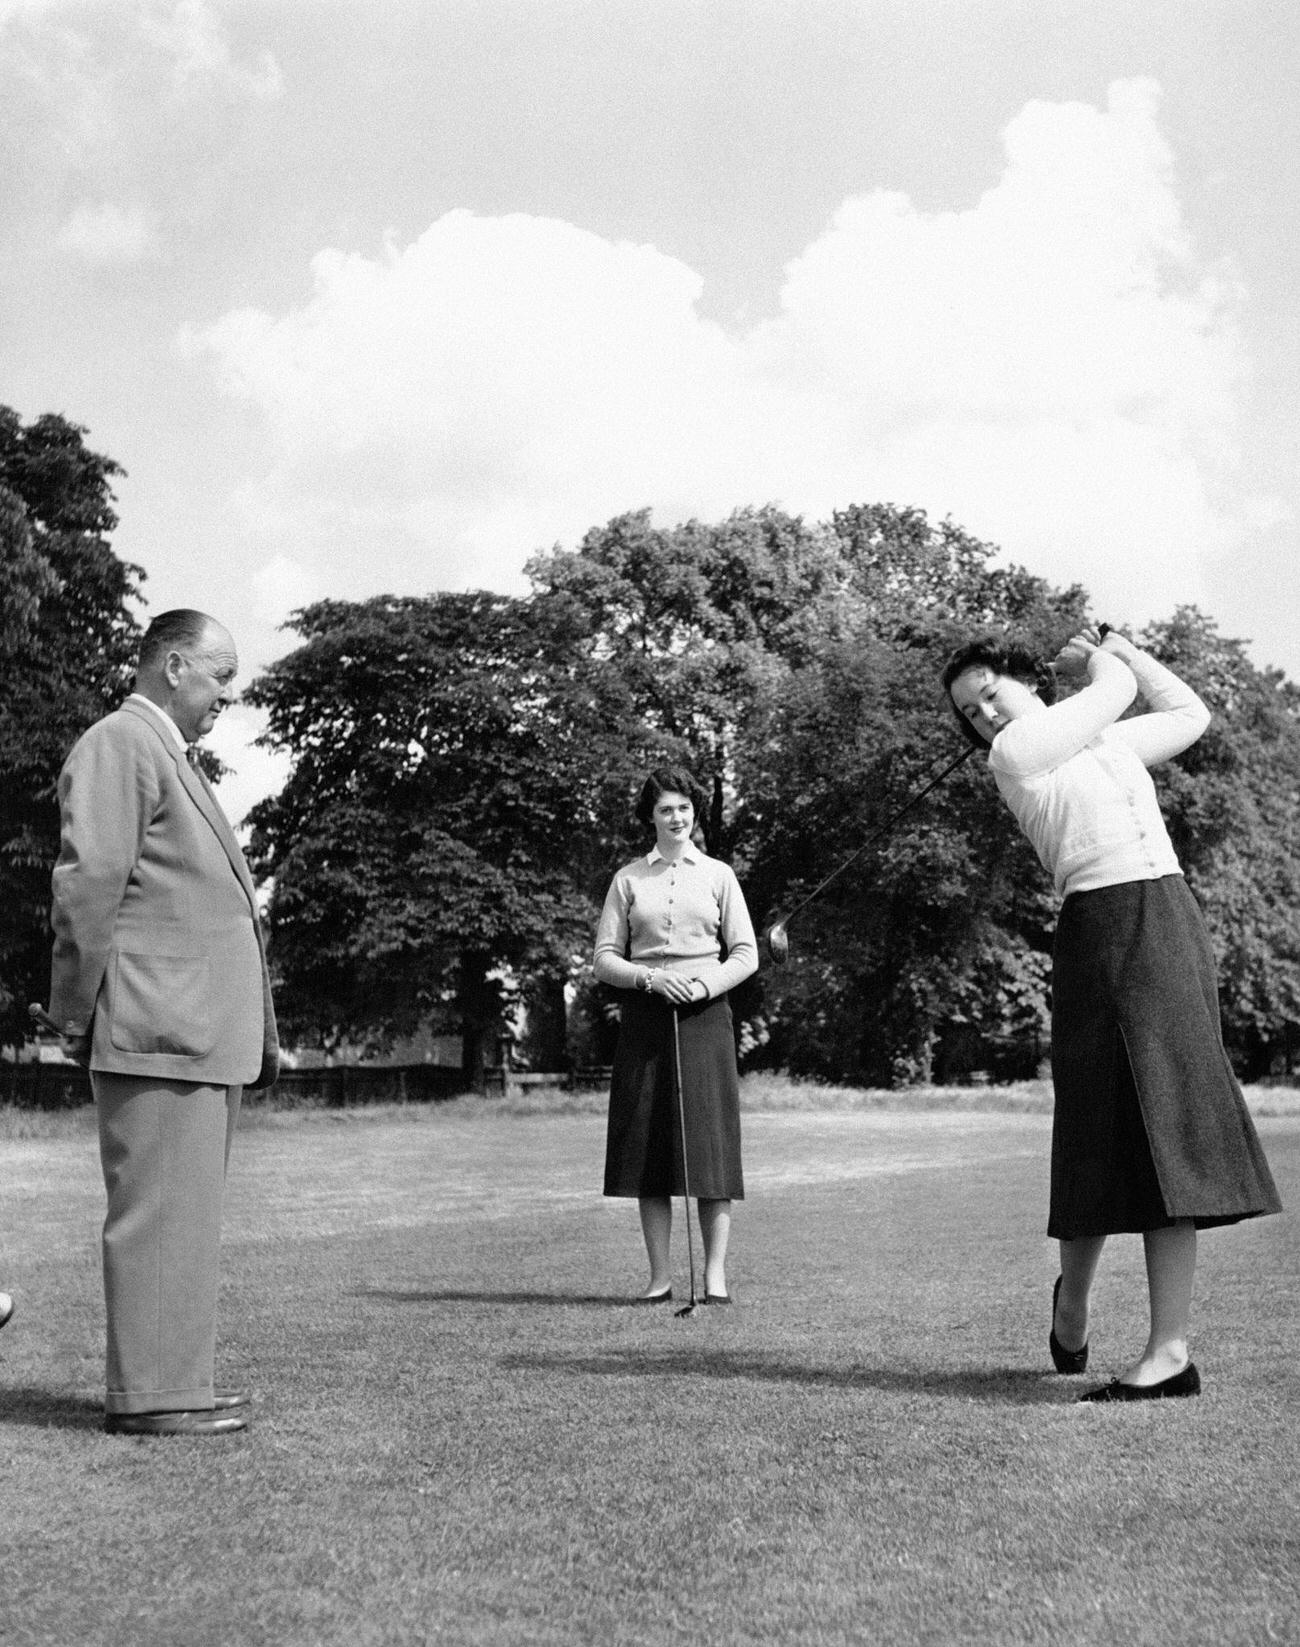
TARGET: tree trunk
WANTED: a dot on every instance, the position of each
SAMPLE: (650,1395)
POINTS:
(546,1037)
(478,1001)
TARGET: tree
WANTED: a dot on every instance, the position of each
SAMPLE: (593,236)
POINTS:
(696,622)
(68,639)
(797,664)
(1232,803)
(455,761)
(930,951)
(463,767)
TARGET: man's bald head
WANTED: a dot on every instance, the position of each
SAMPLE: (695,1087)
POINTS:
(182,630)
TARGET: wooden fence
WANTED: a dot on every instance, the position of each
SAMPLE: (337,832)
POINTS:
(342,1086)
(338,1086)
(44,1086)
(65,1086)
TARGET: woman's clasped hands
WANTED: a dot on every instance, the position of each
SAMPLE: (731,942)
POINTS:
(676,987)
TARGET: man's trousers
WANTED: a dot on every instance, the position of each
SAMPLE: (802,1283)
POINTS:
(164,1146)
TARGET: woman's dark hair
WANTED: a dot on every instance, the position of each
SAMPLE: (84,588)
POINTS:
(666,780)
(999,658)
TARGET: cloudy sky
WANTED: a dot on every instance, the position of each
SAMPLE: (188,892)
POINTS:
(375,295)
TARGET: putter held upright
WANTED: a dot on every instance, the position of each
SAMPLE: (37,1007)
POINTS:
(688,1309)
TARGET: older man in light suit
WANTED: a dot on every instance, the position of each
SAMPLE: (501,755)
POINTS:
(159,983)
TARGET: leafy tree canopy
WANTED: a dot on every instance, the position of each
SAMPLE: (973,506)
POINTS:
(68,639)
(456,760)
(1232,802)
(463,767)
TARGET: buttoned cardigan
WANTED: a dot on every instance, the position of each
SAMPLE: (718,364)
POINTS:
(676,914)
(1076,777)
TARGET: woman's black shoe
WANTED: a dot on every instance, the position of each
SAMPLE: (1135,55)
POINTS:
(1187,1382)
(1065,1361)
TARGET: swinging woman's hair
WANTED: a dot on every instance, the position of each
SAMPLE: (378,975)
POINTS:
(999,658)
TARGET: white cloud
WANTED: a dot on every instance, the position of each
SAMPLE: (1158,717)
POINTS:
(111,234)
(189,36)
(281,587)
(1055,366)
(92,63)
(27,10)
(499,377)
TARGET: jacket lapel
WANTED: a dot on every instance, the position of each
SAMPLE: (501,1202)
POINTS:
(199,791)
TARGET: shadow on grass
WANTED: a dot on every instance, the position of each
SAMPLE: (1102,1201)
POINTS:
(1015,1385)
(46,1411)
(384,1295)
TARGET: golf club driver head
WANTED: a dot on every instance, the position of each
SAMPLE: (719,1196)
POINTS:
(777,940)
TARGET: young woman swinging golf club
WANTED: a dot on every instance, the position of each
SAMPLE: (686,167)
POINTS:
(1150,1133)
(674,1105)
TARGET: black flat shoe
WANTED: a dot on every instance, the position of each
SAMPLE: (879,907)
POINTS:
(716,1298)
(656,1298)
(1187,1382)
(1065,1361)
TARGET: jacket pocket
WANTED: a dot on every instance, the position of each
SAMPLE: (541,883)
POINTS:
(161,1004)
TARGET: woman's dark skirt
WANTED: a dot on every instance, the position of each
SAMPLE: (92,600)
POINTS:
(643,1150)
(1150,1125)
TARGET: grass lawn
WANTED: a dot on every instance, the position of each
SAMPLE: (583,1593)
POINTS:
(462,1435)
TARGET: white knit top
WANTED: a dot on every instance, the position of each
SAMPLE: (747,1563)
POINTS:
(676,914)
(1078,782)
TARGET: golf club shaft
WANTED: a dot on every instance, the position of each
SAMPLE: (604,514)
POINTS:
(686,1170)
(1103,629)
(883,830)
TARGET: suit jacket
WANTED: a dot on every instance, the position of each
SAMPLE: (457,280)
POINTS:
(158,943)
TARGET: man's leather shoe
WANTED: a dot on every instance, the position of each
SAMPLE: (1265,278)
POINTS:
(208,1421)
(224,1400)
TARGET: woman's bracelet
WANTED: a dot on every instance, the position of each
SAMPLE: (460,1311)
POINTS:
(646,982)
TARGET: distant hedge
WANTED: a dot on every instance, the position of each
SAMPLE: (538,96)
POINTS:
(65,1086)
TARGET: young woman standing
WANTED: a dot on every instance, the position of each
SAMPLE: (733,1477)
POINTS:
(666,921)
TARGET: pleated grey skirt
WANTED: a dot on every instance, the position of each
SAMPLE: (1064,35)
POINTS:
(643,1148)
(1149,1125)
